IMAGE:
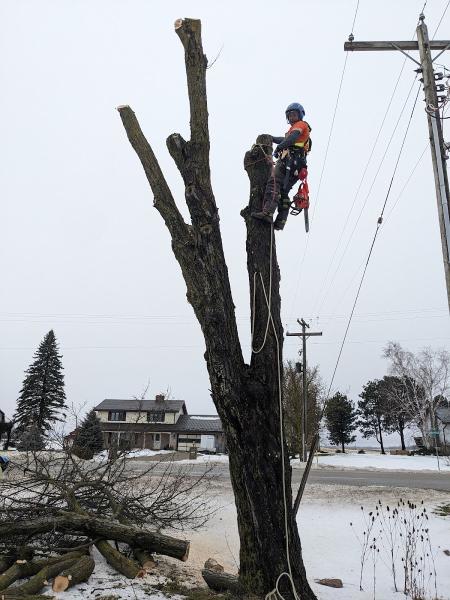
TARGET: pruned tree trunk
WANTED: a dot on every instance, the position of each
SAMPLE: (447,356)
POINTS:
(80,571)
(121,563)
(99,528)
(246,395)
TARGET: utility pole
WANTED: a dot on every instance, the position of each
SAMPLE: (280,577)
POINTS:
(432,101)
(304,337)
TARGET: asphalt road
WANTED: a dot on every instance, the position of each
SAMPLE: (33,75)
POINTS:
(426,480)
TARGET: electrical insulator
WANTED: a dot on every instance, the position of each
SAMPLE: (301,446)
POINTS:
(438,76)
(440,87)
(442,98)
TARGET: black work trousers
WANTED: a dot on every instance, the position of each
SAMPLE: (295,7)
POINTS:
(279,184)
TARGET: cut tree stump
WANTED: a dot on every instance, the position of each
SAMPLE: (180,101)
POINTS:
(40,580)
(80,571)
(121,563)
(100,528)
(221,582)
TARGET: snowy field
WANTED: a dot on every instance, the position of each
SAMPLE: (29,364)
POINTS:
(386,462)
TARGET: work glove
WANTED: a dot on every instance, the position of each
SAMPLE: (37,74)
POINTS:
(278,150)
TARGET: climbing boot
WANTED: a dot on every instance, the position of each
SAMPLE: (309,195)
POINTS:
(263,216)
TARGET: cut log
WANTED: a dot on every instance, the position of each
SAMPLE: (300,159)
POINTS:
(121,563)
(7,596)
(144,558)
(22,569)
(221,582)
(78,572)
(40,580)
(100,528)
(6,561)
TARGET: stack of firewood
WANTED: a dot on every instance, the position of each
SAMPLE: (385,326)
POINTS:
(70,567)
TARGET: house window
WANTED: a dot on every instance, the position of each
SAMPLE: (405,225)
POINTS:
(155,416)
(157,437)
(116,415)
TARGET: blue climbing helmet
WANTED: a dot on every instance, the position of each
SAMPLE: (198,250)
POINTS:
(295,106)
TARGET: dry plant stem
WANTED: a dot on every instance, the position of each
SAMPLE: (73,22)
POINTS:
(116,559)
(80,571)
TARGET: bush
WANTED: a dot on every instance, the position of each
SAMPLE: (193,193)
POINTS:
(361,451)
(82,452)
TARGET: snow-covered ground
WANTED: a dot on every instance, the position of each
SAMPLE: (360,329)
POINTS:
(330,548)
(380,461)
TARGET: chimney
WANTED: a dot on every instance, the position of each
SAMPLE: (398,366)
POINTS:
(159,398)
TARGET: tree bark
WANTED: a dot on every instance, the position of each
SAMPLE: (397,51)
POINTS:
(38,581)
(98,528)
(121,563)
(401,428)
(22,569)
(80,571)
(343,448)
(145,559)
(6,562)
(246,396)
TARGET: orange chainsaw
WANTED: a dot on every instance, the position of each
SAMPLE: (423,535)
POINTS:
(300,202)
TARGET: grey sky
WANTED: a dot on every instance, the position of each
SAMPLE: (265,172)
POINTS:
(83,250)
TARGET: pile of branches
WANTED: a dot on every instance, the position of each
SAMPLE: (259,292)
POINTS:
(55,507)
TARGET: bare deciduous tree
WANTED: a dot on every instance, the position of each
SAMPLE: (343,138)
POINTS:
(247,396)
(426,378)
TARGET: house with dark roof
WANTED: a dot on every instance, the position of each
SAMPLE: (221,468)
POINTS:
(5,428)
(443,427)
(158,424)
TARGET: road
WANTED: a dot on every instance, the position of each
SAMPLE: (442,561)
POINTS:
(426,480)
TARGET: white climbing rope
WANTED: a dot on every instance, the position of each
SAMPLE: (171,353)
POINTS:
(275,593)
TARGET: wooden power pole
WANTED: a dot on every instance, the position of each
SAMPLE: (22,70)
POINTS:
(304,336)
(432,99)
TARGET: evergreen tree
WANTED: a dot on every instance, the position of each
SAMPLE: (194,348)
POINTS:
(89,434)
(42,397)
(373,412)
(31,439)
(340,418)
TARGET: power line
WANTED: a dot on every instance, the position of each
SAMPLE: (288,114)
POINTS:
(379,222)
(368,194)
(300,271)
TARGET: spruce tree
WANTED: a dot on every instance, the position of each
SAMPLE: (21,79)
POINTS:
(89,434)
(42,397)
(31,439)
(373,412)
(340,420)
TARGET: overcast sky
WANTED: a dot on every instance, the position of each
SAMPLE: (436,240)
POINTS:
(84,252)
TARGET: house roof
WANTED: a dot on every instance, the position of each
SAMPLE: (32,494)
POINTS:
(143,405)
(443,414)
(202,424)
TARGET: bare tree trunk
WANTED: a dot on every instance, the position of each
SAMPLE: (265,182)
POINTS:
(246,396)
